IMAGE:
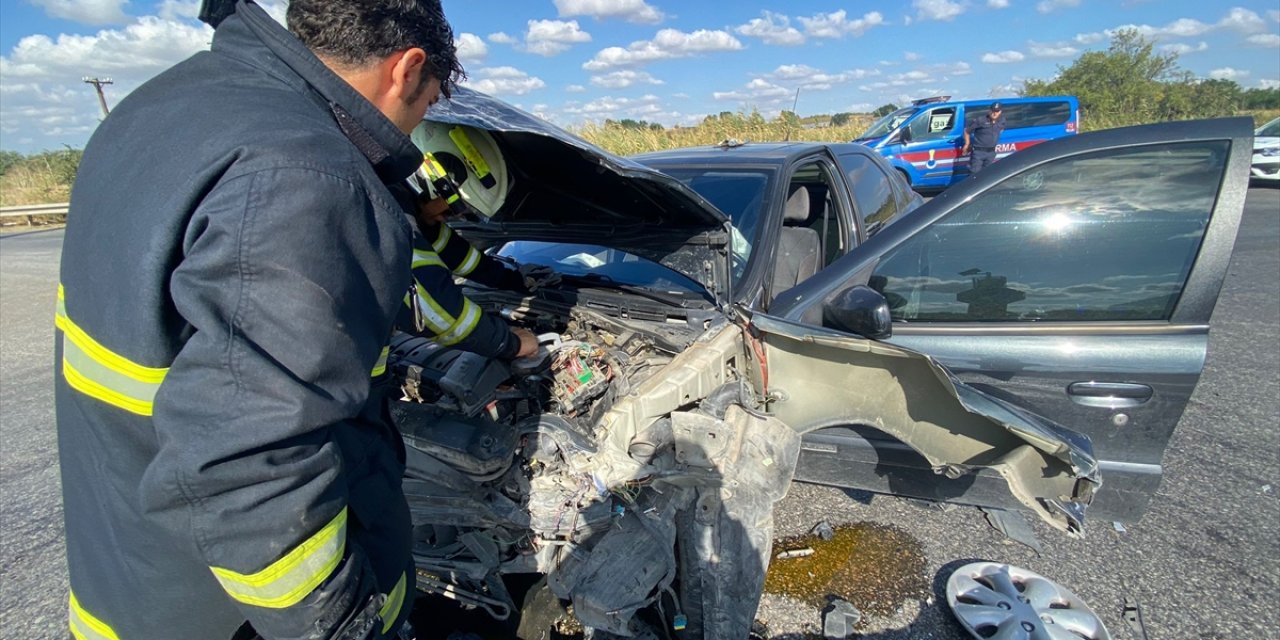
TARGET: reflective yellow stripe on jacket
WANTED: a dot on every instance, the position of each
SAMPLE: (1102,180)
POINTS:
(102,374)
(84,626)
(288,580)
(426,259)
(380,367)
(391,608)
(467,321)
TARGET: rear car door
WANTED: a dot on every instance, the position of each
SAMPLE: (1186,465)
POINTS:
(1074,282)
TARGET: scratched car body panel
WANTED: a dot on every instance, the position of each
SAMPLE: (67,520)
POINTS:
(635,461)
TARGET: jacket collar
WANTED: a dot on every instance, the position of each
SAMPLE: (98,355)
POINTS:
(392,154)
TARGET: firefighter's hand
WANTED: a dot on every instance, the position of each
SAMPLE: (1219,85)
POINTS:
(528,342)
(431,211)
(965,151)
(536,276)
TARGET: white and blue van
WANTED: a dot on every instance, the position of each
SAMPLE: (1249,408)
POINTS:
(923,141)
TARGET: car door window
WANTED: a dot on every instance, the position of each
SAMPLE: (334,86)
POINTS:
(816,227)
(873,200)
(933,124)
(1060,241)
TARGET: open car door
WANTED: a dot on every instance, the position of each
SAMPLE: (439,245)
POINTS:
(1065,292)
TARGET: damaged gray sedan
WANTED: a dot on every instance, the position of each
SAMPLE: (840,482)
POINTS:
(686,360)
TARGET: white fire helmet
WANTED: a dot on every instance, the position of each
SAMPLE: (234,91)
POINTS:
(471,159)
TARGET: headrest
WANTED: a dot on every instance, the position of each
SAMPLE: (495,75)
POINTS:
(797,207)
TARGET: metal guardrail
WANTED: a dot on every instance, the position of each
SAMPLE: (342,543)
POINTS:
(30,212)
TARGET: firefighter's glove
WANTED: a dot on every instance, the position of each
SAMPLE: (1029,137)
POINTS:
(536,276)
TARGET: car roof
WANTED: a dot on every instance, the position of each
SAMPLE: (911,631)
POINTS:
(768,153)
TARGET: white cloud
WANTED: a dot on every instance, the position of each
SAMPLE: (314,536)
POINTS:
(624,78)
(1239,20)
(944,10)
(551,37)
(837,24)
(91,12)
(998,4)
(1227,73)
(504,81)
(132,54)
(1274,15)
(470,47)
(178,9)
(42,93)
(1049,6)
(911,56)
(807,77)
(758,90)
(1268,83)
(575,88)
(646,106)
(1003,57)
(772,28)
(1090,38)
(637,11)
(1242,20)
(1271,40)
(1051,50)
(666,45)
(1183,49)
(860,107)
(502,37)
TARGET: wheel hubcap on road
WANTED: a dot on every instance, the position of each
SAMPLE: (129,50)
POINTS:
(1003,602)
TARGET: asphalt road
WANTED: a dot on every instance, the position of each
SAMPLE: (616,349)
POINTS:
(1204,563)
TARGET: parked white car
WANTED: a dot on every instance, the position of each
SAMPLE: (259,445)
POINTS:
(1266,152)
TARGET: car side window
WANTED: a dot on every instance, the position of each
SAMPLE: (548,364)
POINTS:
(873,199)
(816,228)
(1105,236)
(933,124)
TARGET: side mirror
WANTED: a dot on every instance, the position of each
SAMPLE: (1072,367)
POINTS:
(904,134)
(861,310)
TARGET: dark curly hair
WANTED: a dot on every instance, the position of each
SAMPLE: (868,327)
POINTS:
(357,32)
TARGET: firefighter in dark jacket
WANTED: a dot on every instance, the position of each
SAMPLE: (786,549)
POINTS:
(439,309)
(234,262)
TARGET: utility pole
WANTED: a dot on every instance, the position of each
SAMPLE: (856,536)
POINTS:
(102,100)
(795,103)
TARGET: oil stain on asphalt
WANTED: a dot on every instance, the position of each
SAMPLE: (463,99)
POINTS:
(876,567)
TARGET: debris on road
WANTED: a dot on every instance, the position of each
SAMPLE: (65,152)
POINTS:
(839,618)
(1132,615)
(824,530)
(794,553)
(1014,527)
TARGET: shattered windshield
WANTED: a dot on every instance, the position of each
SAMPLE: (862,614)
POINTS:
(738,193)
(888,123)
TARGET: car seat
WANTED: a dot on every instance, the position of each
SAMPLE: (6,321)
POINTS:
(799,247)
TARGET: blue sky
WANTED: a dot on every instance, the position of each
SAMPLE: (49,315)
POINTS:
(577,61)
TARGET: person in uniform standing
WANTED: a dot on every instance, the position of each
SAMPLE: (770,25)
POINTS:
(981,136)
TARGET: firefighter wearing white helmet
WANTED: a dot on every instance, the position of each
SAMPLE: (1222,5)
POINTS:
(464,165)
(462,172)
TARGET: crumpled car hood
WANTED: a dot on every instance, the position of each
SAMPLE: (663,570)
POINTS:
(567,189)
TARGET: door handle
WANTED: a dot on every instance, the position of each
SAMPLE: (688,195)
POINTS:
(1110,395)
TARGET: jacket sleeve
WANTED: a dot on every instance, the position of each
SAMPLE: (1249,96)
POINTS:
(438,308)
(468,262)
(258,419)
